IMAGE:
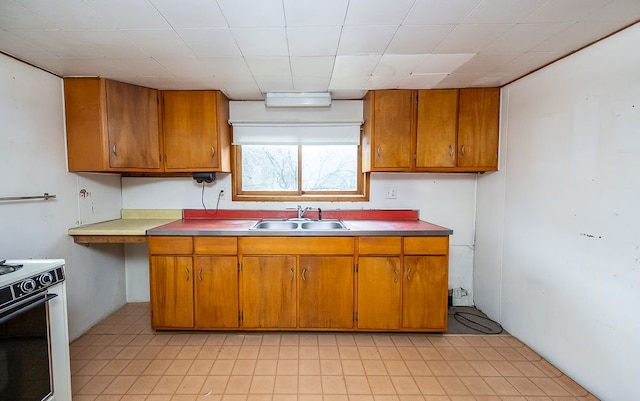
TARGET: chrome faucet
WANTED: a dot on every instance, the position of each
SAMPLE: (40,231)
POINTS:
(302,211)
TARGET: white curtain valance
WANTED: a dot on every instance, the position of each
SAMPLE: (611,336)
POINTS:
(296,134)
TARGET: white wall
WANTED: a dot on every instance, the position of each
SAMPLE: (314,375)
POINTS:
(32,151)
(444,199)
(558,250)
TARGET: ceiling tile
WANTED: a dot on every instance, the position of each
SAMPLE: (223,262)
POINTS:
(428,81)
(15,16)
(367,12)
(352,72)
(393,65)
(213,42)
(558,10)
(261,41)
(132,14)
(253,13)
(528,62)
(191,13)
(313,41)
(418,39)
(469,38)
(575,36)
(463,80)
(486,63)
(426,12)
(441,63)
(523,37)
(274,83)
(16,44)
(205,67)
(365,39)
(347,94)
(315,67)
(67,14)
(314,12)
(503,11)
(269,65)
(625,11)
(311,84)
(165,43)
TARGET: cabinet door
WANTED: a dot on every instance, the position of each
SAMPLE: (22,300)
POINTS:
(393,130)
(190,128)
(425,292)
(171,279)
(216,292)
(437,128)
(379,281)
(326,292)
(478,128)
(269,292)
(132,120)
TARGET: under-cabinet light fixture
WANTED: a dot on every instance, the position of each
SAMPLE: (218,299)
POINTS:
(298,99)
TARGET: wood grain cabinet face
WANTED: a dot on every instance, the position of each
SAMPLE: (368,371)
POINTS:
(111,126)
(196,133)
(425,292)
(216,292)
(437,128)
(478,129)
(379,292)
(171,291)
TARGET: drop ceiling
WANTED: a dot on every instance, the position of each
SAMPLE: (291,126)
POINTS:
(249,47)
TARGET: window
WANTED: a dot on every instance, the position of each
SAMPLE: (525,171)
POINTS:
(294,172)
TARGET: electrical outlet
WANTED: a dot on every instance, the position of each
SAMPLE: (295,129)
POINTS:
(391,193)
(222,194)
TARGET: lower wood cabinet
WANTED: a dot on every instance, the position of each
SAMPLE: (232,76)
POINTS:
(299,283)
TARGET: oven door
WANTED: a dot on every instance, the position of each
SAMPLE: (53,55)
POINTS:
(25,351)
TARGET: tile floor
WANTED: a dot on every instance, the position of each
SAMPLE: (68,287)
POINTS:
(123,359)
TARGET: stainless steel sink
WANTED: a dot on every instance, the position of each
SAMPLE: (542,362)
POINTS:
(323,225)
(287,225)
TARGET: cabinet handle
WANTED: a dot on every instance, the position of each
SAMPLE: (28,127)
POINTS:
(200,274)
(451,150)
(304,274)
(186,274)
(379,151)
(115,150)
(292,274)
(213,152)
(462,150)
(409,274)
(395,280)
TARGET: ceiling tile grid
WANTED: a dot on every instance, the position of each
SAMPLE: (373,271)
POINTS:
(249,47)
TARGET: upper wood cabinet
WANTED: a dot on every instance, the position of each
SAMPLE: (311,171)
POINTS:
(389,130)
(111,126)
(196,132)
(448,130)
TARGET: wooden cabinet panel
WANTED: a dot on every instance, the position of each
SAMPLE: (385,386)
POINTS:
(296,245)
(425,292)
(326,292)
(379,245)
(389,130)
(196,131)
(178,245)
(426,245)
(437,128)
(216,292)
(379,289)
(171,292)
(478,128)
(269,292)
(111,126)
(216,245)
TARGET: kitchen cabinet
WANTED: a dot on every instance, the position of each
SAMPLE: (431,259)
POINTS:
(171,278)
(449,130)
(111,126)
(389,130)
(305,283)
(379,283)
(425,283)
(196,133)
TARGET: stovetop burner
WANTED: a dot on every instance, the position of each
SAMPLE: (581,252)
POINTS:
(6,269)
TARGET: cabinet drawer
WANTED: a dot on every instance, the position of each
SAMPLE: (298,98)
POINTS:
(170,245)
(379,245)
(215,245)
(426,245)
(296,246)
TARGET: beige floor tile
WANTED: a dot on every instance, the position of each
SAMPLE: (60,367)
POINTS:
(96,385)
(222,367)
(215,385)
(462,368)
(309,352)
(349,352)
(262,385)
(429,353)
(228,352)
(374,367)
(410,353)
(525,386)
(269,351)
(477,386)
(453,386)
(429,385)
(333,385)
(501,386)
(389,353)
(93,367)
(288,352)
(266,367)
(238,385)
(287,367)
(309,367)
(244,367)
(178,367)
(309,385)
(157,367)
(143,385)
(351,367)
(369,353)
(418,368)
(328,352)
(440,368)
(357,385)
(286,385)
(167,385)
(191,385)
(249,352)
(331,367)
(201,367)
(381,385)
(119,385)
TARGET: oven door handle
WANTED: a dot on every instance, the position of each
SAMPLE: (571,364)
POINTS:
(5,317)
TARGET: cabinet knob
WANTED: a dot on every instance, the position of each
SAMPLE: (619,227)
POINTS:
(409,274)
(213,152)
(115,150)
(450,150)
(379,151)
(462,150)
(200,274)
(186,274)
(304,274)
(395,280)
(292,274)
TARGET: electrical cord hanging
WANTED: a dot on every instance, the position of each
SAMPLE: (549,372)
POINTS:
(205,206)
(463,319)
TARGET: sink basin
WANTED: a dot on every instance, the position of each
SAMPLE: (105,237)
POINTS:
(288,225)
(276,225)
(323,225)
